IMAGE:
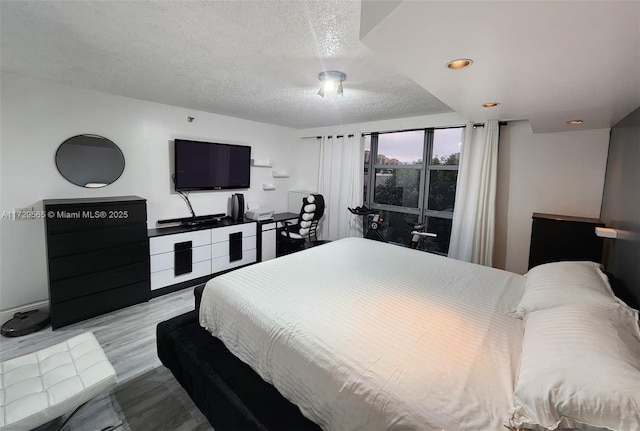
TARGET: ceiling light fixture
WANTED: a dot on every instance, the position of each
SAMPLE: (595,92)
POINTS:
(575,122)
(459,63)
(331,80)
(490,104)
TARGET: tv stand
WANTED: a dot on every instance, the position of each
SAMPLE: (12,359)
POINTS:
(183,256)
(195,220)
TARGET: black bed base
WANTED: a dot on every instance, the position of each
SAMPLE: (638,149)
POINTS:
(227,391)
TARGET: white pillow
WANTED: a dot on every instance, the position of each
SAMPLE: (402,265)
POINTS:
(580,368)
(564,283)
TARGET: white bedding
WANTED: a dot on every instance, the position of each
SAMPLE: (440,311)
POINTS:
(362,335)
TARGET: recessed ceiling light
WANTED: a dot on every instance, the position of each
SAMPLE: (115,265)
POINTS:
(459,63)
(575,122)
(490,104)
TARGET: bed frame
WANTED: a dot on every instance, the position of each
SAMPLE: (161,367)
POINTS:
(228,392)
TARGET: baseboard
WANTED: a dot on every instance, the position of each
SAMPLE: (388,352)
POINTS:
(8,314)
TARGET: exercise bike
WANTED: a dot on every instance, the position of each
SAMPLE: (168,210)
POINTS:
(371,219)
(419,237)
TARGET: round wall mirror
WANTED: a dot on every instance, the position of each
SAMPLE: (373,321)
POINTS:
(90,161)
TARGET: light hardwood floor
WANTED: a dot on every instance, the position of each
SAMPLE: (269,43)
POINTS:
(147,397)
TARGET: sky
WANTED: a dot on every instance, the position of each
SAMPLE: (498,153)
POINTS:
(407,146)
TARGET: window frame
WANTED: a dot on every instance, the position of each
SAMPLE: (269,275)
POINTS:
(425,176)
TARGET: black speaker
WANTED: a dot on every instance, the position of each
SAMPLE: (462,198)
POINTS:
(237,207)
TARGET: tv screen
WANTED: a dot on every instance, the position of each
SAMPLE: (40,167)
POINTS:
(211,166)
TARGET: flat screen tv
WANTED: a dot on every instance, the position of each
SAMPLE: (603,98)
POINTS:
(211,166)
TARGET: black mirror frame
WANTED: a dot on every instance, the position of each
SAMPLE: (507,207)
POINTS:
(111,145)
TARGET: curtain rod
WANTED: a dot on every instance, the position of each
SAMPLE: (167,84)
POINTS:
(500,123)
(413,130)
(328,137)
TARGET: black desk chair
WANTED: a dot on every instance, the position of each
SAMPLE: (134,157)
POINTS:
(303,233)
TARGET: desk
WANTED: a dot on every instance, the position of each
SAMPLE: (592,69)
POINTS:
(268,234)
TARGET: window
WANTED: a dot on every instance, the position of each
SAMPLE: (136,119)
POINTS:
(406,190)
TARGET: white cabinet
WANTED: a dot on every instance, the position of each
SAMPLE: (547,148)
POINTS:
(168,277)
(233,246)
(222,234)
(165,244)
(269,234)
(184,256)
(269,241)
(164,261)
(179,257)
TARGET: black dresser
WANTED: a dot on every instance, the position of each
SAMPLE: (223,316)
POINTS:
(98,256)
(558,237)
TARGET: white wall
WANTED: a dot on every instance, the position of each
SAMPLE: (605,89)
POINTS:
(304,173)
(37,116)
(556,173)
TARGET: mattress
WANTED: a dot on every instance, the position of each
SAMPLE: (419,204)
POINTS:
(363,335)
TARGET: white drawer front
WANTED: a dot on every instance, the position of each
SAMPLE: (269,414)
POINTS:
(220,249)
(222,263)
(269,239)
(164,244)
(221,234)
(268,226)
(160,262)
(167,278)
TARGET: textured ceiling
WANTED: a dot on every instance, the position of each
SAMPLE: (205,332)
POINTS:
(257,60)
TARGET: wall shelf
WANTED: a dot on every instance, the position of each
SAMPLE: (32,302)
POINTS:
(268,187)
(280,174)
(261,163)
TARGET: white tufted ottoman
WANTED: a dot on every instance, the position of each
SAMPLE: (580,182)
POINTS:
(39,387)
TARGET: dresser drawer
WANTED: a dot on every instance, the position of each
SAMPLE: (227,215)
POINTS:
(162,261)
(165,244)
(73,217)
(68,243)
(96,261)
(222,263)
(222,233)
(264,227)
(76,287)
(65,313)
(222,248)
(167,277)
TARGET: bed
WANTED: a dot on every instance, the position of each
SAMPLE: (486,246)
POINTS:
(356,346)
(361,335)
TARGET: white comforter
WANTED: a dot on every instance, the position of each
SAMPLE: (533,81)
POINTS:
(363,335)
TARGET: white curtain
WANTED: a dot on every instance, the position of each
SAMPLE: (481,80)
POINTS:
(340,182)
(472,233)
